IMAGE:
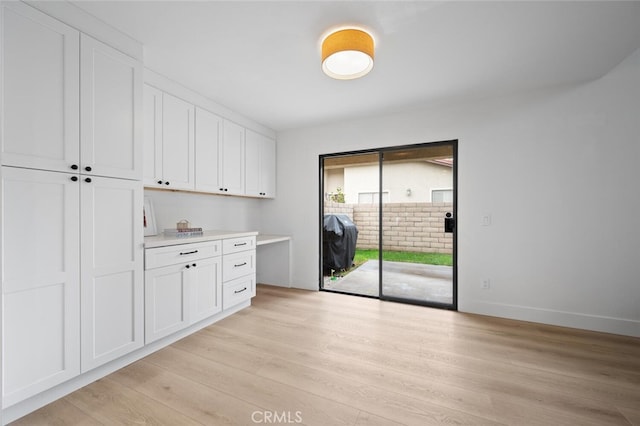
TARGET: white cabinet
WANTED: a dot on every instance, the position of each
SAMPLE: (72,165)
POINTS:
(232,159)
(66,313)
(238,270)
(72,242)
(112,303)
(40,281)
(152,145)
(260,165)
(40,91)
(182,287)
(169,141)
(54,78)
(208,152)
(111,111)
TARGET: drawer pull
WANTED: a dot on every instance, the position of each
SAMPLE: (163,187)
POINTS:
(188,252)
(239,291)
(239,265)
(239,244)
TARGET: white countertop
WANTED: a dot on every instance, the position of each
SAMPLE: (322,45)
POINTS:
(263,239)
(161,240)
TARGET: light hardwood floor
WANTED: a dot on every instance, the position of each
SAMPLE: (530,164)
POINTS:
(328,359)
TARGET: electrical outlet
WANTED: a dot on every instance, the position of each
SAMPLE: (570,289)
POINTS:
(485,284)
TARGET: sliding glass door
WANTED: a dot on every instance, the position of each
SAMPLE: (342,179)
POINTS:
(388,223)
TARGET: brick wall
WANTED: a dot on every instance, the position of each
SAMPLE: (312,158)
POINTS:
(414,227)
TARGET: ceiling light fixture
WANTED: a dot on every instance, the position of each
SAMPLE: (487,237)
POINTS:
(347,54)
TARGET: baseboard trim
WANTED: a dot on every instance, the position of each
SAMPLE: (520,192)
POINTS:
(554,317)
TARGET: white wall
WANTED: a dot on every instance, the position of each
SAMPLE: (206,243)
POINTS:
(545,165)
(420,177)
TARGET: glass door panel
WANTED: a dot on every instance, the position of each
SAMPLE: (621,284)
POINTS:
(418,191)
(350,223)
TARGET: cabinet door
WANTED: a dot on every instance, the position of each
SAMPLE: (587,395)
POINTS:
(111,269)
(205,288)
(111,102)
(178,157)
(208,148)
(166,301)
(260,165)
(40,93)
(152,150)
(40,281)
(268,168)
(232,158)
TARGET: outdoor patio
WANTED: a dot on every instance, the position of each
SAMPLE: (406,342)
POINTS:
(413,281)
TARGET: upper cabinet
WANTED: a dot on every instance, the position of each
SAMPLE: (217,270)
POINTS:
(189,148)
(111,104)
(169,141)
(260,165)
(52,79)
(41,99)
(232,158)
(208,151)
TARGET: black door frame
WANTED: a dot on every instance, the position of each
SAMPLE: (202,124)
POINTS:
(381,151)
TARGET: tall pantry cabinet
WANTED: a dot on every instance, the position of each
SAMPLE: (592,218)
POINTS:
(71,202)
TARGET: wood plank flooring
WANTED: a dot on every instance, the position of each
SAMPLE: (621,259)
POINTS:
(299,357)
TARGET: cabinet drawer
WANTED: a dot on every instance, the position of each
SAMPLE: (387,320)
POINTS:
(171,255)
(238,264)
(234,245)
(238,290)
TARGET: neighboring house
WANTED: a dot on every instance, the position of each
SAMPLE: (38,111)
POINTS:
(424,181)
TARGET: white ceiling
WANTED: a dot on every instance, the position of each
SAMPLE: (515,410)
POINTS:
(261,59)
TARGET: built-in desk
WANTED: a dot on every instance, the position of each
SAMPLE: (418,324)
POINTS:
(273,259)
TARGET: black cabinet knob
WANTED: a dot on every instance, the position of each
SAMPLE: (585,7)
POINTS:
(74,178)
(221,189)
(193,264)
(226,189)
(74,167)
(166,183)
(159,182)
(188,266)
(88,180)
(88,168)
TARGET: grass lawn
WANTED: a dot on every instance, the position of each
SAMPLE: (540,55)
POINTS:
(362,255)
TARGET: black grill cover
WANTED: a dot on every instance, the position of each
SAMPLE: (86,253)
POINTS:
(339,239)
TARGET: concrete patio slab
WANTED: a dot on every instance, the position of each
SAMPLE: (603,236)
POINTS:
(429,283)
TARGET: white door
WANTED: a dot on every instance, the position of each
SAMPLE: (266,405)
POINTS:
(232,158)
(178,157)
(40,281)
(40,93)
(111,269)
(253,141)
(260,165)
(268,168)
(205,286)
(111,131)
(152,150)
(166,301)
(208,135)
